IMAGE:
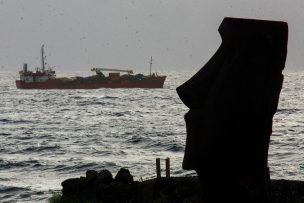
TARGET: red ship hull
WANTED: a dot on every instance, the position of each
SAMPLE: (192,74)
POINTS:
(153,82)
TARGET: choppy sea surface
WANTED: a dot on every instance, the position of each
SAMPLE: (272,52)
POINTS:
(47,136)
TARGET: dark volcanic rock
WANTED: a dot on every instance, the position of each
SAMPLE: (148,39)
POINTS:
(104,176)
(124,176)
(91,175)
(168,190)
(100,187)
(70,186)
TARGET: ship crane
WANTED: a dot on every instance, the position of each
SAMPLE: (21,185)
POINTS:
(98,70)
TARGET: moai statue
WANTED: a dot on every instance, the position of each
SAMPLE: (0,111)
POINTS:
(232,100)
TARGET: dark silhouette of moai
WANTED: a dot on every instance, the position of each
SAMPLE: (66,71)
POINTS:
(232,100)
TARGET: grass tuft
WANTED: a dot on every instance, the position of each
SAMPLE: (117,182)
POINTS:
(56,198)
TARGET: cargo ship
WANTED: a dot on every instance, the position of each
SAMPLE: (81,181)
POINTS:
(45,78)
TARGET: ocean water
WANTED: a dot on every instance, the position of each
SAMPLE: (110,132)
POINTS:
(47,136)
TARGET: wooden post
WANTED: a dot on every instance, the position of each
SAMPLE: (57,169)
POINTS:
(158,175)
(168,167)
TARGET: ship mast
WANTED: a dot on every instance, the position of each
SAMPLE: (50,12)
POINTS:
(42,58)
(150,65)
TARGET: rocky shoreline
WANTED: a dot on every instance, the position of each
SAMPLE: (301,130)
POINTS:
(102,187)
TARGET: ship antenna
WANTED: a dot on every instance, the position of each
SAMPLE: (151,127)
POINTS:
(150,65)
(42,58)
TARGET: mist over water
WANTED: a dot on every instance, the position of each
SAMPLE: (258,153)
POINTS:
(47,136)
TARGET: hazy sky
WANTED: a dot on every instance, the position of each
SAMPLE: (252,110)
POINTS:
(179,34)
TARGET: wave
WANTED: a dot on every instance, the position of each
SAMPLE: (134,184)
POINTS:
(8,121)
(11,164)
(175,148)
(7,164)
(135,140)
(10,194)
(289,110)
(110,97)
(9,189)
(41,148)
(90,103)
(83,166)
(5,134)
(4,120)
(164,145)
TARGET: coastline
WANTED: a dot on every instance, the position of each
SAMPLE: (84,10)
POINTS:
(102,187)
